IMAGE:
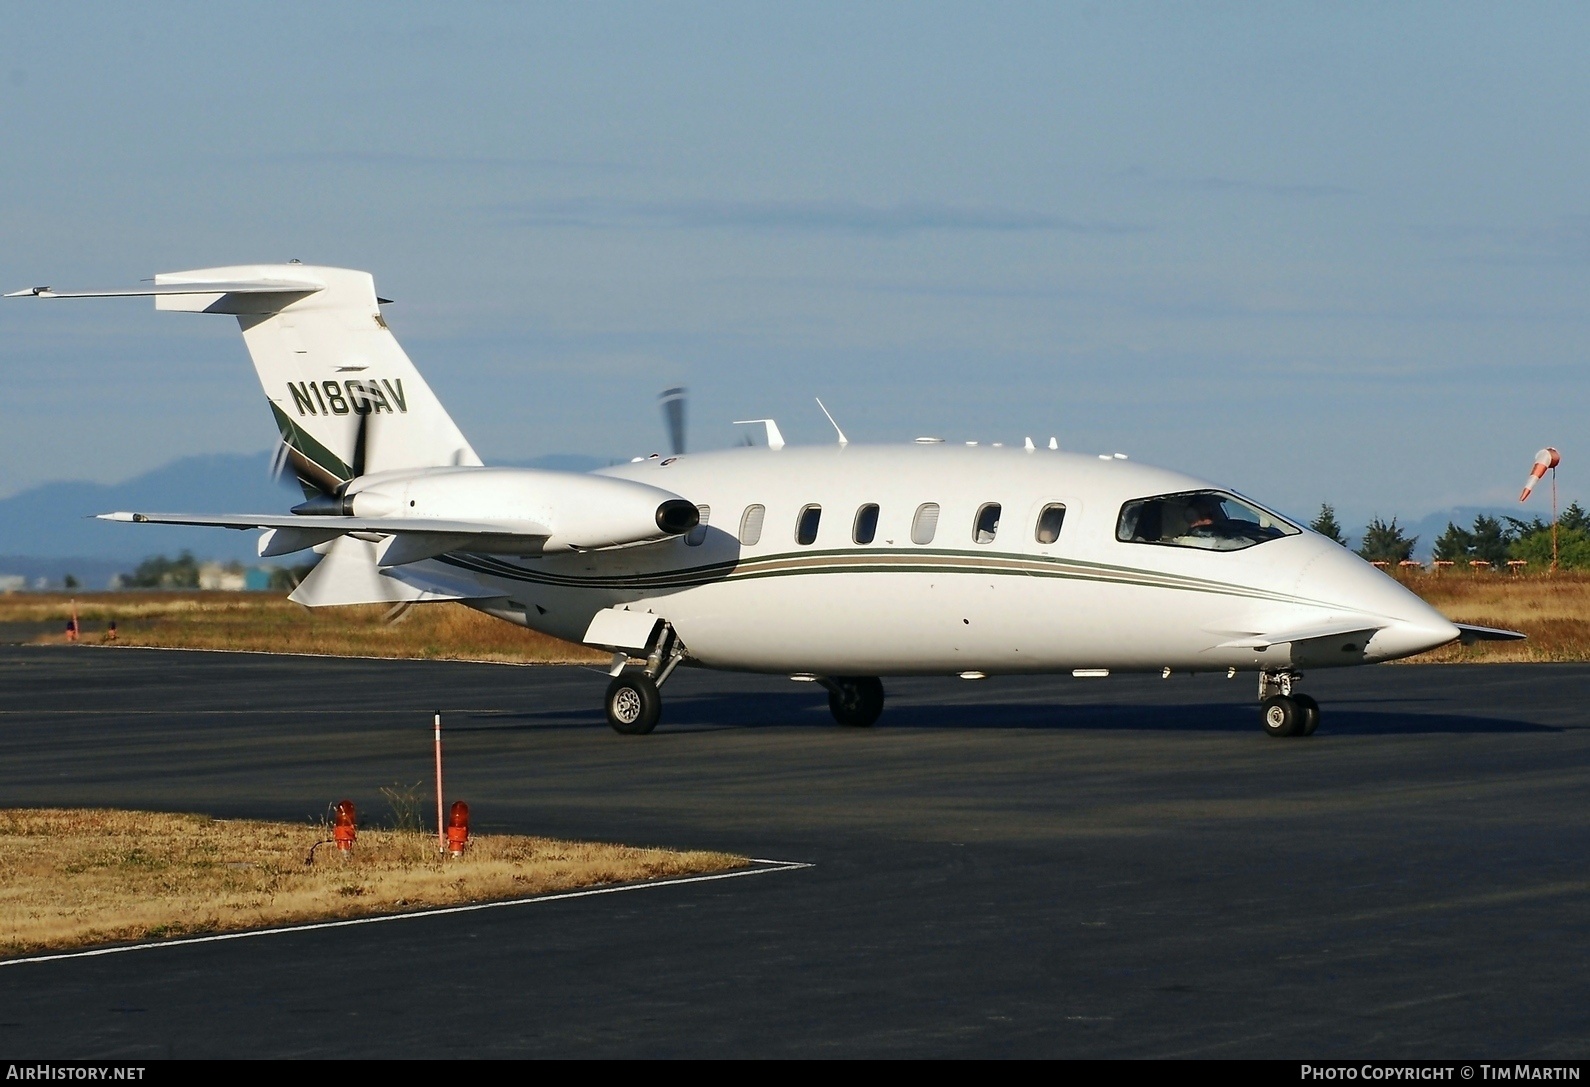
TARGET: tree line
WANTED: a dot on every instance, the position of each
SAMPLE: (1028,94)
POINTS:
(182,572)
(1491,539)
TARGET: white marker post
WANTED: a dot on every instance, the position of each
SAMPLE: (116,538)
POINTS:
(441,825)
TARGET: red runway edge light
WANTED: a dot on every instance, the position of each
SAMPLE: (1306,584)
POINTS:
(343,831)
(457,828)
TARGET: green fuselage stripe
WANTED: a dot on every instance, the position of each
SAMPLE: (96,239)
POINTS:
(916,561)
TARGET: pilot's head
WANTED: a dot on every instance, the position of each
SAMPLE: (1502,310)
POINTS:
(1202,509)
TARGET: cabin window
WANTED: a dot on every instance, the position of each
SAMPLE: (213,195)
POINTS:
(751,525)
(1207,520)
(865,529)
(1050,518)
(806,524)
(695,536)
(925,524)
(986,524)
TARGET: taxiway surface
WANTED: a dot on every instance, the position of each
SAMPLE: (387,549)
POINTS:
(1016,867)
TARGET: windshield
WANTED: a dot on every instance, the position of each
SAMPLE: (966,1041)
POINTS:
(1209,520)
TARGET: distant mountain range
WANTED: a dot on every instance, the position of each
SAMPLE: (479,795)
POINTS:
(48,531)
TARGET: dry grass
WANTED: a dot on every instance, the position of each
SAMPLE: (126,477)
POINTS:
(1553,609)
(72,878)
(270,623)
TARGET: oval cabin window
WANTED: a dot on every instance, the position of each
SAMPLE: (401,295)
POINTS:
(1049,522)
(986,524)
(806,524)
(866,527)
(925,525)
(751,525)
(695,536)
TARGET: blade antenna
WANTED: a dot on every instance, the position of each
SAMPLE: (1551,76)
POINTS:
(843,441)
(672,402)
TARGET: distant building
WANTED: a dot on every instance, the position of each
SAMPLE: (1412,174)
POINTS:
(212,575)
(12,583)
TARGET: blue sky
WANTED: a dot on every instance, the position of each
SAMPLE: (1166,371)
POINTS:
(1319,252)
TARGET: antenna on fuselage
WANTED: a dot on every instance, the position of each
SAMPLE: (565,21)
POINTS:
(843,441)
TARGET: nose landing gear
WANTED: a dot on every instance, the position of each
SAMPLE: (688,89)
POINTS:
(1284,712)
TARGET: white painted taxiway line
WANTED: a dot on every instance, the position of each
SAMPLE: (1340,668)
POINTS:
(767,868)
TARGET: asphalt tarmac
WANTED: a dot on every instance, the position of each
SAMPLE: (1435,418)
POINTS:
(1012,867)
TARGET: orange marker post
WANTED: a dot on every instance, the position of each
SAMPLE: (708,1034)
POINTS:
(344,828)
(457,828)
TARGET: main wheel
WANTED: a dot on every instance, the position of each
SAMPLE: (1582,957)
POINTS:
(633,704)
(1310,710)
(858,702)
(1282,716)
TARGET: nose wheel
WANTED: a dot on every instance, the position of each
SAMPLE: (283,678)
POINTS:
(1283,711)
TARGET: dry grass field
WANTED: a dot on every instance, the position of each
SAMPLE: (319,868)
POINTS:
(1553,609)
(74,878)
(270,623)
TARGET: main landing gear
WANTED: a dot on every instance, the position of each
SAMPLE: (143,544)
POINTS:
(1283,711)
(634,704)
(856,701)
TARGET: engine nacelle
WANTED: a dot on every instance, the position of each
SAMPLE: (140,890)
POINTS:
(578,512)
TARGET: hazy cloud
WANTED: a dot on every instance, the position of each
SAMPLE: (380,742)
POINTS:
(802,216)
(1215,183)
(397,160)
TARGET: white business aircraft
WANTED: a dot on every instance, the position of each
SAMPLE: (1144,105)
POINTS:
(837,564)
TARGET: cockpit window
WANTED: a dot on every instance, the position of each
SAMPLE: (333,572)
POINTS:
(1210,520)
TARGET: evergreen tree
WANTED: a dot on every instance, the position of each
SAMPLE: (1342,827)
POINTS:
(1575,517)
(1573,549)
(1386,542)
(1454,545)
(1491,540)
(1325,524)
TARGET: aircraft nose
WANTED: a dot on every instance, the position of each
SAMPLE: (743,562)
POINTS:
(1347,581)
(1404,638)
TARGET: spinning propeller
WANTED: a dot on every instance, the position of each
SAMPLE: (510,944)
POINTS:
(323,490)
(672,402)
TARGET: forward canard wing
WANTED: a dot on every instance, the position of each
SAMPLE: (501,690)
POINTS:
(1471,634)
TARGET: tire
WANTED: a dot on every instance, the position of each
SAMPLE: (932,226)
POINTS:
(1281,716)
(1310,710)
(633,704)
(858,703)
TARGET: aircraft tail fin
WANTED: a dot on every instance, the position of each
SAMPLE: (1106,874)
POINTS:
(342,392)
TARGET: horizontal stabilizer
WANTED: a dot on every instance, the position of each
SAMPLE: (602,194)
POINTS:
(156,290)
(1363,625)
(1471,634)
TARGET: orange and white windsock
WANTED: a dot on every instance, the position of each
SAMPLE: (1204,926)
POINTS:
(1547,459)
